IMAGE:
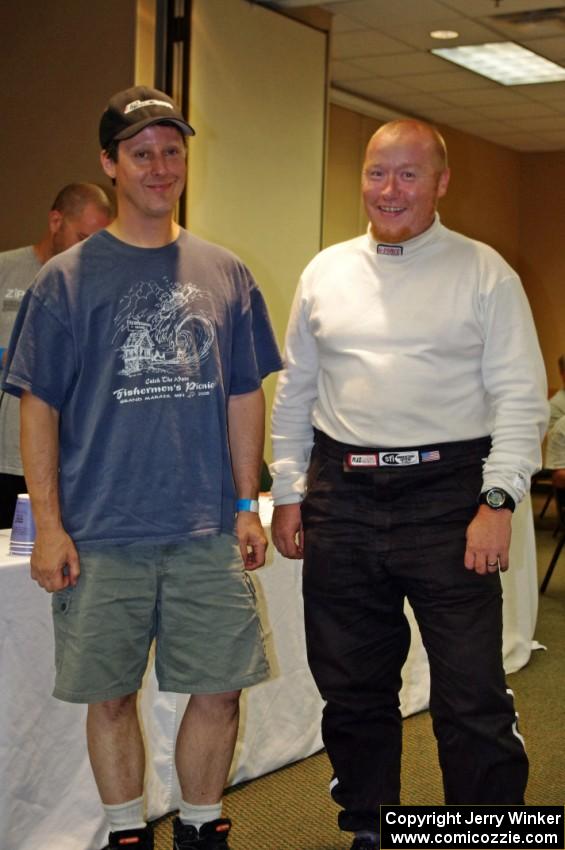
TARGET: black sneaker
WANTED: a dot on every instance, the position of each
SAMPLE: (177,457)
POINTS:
(364,843)
(211,836)
(131,839)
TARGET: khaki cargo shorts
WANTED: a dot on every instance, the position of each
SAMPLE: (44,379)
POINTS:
(193,598)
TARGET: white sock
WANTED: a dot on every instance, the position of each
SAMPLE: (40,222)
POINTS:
(126,815)
(198,815)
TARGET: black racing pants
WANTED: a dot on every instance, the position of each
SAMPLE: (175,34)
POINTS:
(373,538)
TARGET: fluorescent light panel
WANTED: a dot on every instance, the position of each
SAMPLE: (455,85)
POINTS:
(505,62)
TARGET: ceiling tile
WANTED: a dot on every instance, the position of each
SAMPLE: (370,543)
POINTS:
(496,96)
(551,48)
(343,23)
(395,66)
(380,52)
(418,35)
(347,45)
(451,115)
(377,88)
(374,13)
(448,81)
(542,91)
(518,141)
(417,103)
(522,32)
(509,111)
(558,105)
(541,124)
(484,126)
(557,136)
(479,8)
(342,71)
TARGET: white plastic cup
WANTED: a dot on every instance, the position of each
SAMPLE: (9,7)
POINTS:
(23,526)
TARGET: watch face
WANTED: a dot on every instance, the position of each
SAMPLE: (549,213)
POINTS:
(495,498)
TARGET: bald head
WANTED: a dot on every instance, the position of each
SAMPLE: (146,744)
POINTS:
(72,199)
(78,211)
(425,134)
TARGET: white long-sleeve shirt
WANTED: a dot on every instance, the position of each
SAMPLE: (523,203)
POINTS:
(430,342)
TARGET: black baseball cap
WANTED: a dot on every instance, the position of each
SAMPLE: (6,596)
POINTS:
(130,111)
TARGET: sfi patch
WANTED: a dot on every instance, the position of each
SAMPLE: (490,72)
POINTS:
(399,458)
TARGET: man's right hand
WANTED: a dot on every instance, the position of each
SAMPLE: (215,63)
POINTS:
(286,530)
(54,561)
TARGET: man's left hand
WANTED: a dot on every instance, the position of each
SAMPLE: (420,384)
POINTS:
(488,540)
(252,539)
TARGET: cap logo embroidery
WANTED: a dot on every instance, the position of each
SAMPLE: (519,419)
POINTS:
(139,104)
(390,250)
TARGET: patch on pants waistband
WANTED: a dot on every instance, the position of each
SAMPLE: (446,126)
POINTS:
(372,460)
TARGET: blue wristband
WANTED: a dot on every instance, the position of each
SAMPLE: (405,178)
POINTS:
(247,505)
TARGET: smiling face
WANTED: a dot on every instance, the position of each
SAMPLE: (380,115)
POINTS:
(404,176)
(150,173)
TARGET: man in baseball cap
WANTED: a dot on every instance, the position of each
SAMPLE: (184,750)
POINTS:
(147,347)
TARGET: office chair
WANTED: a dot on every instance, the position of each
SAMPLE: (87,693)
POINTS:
(559,493)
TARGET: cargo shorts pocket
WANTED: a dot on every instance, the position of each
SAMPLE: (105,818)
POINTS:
(61,607)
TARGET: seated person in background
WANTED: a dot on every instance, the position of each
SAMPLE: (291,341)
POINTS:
(555,457)
(557,401)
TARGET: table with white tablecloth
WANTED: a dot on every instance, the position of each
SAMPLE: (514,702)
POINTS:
(48,798)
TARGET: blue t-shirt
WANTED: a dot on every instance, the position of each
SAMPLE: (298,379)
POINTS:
(139,350)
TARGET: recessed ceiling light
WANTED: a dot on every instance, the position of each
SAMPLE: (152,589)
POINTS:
(445,34)
(505,62)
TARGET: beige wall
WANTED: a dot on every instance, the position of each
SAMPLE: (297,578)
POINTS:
(514,202)
(145,42)
(348,135)
(256,164)
(483,200)
(60,61)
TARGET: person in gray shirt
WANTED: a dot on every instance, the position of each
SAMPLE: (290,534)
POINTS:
(79,210)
